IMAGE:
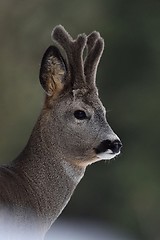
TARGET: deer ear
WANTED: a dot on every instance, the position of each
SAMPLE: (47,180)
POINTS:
(52,71)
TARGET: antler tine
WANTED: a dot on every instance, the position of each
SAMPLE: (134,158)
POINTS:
(62,37)
(74,51)
(95,45)
(91,39)
(79,46)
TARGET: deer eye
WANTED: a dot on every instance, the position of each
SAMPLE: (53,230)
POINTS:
(79,114)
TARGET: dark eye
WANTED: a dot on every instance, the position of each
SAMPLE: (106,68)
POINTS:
(79,114)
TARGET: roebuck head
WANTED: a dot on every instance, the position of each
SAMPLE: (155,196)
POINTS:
(76,118)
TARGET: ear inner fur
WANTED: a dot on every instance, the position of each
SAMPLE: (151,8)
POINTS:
(52,72)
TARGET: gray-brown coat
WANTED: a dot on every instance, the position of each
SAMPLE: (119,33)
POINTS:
(71,133)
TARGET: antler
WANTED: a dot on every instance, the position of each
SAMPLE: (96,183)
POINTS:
(79,70)
(74,50)
(95,47)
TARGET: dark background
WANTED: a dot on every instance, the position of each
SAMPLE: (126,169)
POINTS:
(123,193)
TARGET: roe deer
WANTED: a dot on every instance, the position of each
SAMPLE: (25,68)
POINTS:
(71,133)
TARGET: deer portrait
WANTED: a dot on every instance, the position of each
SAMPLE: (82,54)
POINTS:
(71,133)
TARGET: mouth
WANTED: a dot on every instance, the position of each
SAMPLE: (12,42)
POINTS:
(107,155)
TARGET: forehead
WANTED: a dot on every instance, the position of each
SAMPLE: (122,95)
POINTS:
(88,97)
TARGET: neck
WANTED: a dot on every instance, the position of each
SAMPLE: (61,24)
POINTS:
(49,176)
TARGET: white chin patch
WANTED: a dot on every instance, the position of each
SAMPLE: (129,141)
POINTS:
(107,155)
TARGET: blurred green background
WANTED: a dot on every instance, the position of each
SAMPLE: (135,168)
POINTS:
(124,193)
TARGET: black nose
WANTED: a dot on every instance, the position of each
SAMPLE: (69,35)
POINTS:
(105,145)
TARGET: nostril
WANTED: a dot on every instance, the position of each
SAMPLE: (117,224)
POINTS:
(116,146)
